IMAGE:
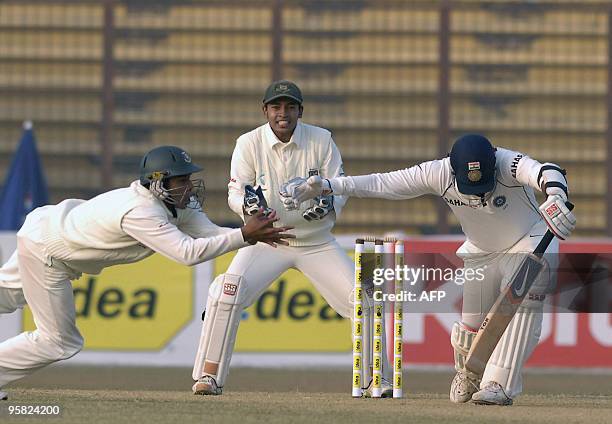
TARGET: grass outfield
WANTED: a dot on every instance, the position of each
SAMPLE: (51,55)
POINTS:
(162,395)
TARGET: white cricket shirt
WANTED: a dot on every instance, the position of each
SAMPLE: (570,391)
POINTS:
(124,226)
(260,158)
(508,216)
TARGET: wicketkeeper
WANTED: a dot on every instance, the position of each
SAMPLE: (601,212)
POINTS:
(275,152)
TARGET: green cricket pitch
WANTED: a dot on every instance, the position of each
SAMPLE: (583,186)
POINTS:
(163,395)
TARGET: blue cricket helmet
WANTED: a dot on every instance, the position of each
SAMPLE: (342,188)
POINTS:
(164,162)
(472,158)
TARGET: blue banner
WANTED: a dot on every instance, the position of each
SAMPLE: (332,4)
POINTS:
(24,187)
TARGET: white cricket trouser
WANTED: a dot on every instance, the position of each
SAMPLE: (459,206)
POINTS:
(47,289)
(327,266)
(522,335)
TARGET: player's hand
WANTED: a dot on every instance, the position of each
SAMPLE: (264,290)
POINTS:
(323,206)
(560,220)
(260,228)
(311,188)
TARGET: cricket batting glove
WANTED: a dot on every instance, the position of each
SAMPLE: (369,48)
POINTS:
(560,220)
(313,187)
(253,200)
(286,191)
(323,206)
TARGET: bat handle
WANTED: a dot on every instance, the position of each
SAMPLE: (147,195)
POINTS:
(548,237)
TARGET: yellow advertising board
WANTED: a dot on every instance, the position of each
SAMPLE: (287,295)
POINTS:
(289,316)
(139,306)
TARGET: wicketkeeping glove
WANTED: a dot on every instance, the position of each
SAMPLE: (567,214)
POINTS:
(323,206)
(253,200)
(560,220)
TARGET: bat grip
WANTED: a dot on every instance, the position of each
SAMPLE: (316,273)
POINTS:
(548,237)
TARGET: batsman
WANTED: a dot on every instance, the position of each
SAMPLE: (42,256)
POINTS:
(491,192)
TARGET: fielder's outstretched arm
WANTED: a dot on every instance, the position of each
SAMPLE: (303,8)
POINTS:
(154,230)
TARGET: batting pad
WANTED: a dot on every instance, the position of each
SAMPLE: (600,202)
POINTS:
(461,340)
(516,345)
(220,326)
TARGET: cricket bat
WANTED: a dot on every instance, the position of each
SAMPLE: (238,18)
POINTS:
(506,305)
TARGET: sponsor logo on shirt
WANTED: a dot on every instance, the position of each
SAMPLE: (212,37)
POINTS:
(454,202)
(514,164)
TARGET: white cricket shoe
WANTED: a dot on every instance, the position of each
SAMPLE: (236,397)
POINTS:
(206,385)
(385,385)
(3,395)
(462,388)
(491,394)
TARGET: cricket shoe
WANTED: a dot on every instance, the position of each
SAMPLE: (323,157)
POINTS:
(386,389)
(3,395)
(491,394)
(462,388)
(206,385)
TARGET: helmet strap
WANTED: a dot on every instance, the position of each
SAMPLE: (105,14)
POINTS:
(172,209)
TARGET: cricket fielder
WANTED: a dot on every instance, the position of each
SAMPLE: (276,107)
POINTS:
(277,151)
(491,192)
(161,213)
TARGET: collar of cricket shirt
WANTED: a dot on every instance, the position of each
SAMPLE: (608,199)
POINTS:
(296,138)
